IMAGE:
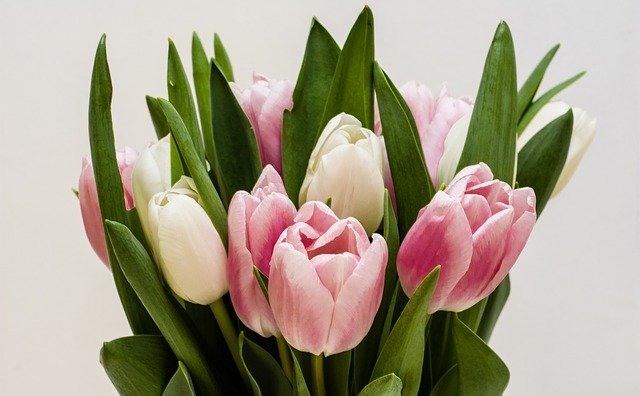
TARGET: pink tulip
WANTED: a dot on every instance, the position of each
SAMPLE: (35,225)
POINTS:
(256,221)
(326,281)
(475,230)
(264,104)
(88,196)
(434,116)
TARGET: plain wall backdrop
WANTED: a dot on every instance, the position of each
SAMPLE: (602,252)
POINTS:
(572,324)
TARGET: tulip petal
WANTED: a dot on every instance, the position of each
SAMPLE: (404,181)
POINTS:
(301,305)
(477,210)
(440,236)
(247,296)
(359,299)
(317,215)
(453,146)
(90,210)
(469,177)
(343,236)
(269,181)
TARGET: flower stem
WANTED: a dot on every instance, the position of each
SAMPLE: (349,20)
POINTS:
(228,331)
(285,358)
(317,375)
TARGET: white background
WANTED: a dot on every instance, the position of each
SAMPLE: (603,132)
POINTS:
(572,325)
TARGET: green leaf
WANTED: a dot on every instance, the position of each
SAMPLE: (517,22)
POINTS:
(142,274)
(448,383)
(181,98)
(108,181)
(492,130)
(300,125)
(210,199)
(180,384)
(138,365)
(530,87)
(535,107)
(336,373)
(201,72)
(541,160)
(364,355)
(472,316)
(352,86)
(480,371)
(178,167)
(239,164)
(411,179)
(388,385)
(157,117)
(222,58)
(495,304)
(265,374)
(403,353)
(299,385)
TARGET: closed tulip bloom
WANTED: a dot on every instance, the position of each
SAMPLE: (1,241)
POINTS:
(326,281)
(264,104)
(346,166)
(434,116)
(151,175)
(188,248)
(88,197)
(584,130)
(475,230)
(256,221)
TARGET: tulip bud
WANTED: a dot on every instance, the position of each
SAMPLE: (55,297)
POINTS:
(264,104)
(475,230)
(256,221)
(88,197)
(326,281)
(346,167)
(188,248)
(583,132)
(151,175)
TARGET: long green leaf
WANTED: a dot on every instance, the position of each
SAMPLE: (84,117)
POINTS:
(535,107)
(411,179)
(299,384)
(180,384)
(157,117)
(337,373)
(352,86)
(138,365)
(181,98)
(300,125)
(108,182)
(541,160)
(364,355)
(388,385)
(143,276)
(492,310)
(447,385)
(210,199)
(480,371)
(222,58)
(492,130)
(265,374)
(239,164)
(201,72)
(403,353)
(528,90)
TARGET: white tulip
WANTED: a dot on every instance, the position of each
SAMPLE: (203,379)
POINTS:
(151,175)
(188,248)
(346,166)
(584,130)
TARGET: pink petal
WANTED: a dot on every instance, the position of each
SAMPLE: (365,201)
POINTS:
(346,235)
(477,210)
(334,270)
(317,215)
(467,178)
(90,210)
(268,182)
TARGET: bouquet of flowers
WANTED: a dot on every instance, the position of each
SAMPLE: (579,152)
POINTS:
(334,236)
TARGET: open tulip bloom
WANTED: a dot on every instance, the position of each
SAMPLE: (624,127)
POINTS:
(336,235)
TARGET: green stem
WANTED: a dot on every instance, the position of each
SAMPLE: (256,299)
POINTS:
(228,331)
(285,358)
(317,375)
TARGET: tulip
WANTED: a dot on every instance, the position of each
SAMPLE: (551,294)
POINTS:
(151,175)
(264,104)
(256,221)
(583,132)
(188,248)
(346,167)
(434,116)
(475,230)
(326,281)
(88,197)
